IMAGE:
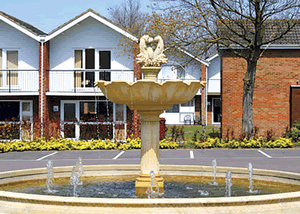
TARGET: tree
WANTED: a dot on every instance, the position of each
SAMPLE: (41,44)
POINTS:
(245,27)
(129,16)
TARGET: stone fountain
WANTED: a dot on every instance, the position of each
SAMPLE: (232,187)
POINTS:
(150,98)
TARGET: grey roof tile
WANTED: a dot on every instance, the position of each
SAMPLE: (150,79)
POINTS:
(273,28)
(23,24)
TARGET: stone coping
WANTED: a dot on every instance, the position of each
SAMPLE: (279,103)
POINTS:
(164,202)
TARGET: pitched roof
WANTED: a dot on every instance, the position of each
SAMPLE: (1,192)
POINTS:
(66,23)
(96,15)
(273,29)
(292,37)
(23,24)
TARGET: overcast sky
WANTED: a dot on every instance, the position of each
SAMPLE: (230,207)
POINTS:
(47,15)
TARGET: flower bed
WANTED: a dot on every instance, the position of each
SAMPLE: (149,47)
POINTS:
(252,143)
(135,143)
(68,144)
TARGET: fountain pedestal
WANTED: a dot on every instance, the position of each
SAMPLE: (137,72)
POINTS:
(149,152)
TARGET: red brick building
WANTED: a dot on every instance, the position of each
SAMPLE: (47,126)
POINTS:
(276,94)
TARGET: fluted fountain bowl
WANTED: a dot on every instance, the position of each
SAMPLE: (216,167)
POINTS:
(149,94)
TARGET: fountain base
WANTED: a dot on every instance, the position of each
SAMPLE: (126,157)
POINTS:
(11,202)
(144,181)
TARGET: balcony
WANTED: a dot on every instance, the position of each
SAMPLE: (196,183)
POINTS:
(82,81)
(19,81)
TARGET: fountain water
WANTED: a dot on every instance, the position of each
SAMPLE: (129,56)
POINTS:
(214,166)
(228,184)
(153,188)
(250,169)
(79,170)
(50,178)
(74,181)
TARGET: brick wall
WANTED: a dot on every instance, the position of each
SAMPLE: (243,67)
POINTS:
(138,75)
(276,71)
(45,81)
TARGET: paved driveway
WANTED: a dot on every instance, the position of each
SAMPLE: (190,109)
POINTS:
(275,159)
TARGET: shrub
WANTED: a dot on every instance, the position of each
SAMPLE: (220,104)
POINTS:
(209,143)
(232,144)
(176,133)
(294,132)
(252,143)
(279,143)
(131,144)
(168,144)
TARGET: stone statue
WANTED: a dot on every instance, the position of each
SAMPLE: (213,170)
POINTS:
(148,57)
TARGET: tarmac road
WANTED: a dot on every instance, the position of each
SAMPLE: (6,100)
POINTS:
(274,159)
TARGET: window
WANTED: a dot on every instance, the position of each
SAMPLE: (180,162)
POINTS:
(9,59)
(86,59)
(78,64)
(104,59)
(26,112)
(90,109)
(89,64)
(119,112)
(216,110)
(10,124)
(189,103)
(69,112)
(11,109)
(173,109)
(12,63)
(104,63)
(95,118)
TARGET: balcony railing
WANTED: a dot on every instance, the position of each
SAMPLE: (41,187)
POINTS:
(19,80)
(80,81)
(214,85)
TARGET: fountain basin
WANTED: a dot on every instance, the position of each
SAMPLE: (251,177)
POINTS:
(19,202)
(147,94)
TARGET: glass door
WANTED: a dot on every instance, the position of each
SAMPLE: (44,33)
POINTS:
(69,115)
(216,110)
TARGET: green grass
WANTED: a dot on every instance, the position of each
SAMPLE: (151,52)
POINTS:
(189,131)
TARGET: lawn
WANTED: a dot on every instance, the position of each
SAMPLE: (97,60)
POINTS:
(190,130)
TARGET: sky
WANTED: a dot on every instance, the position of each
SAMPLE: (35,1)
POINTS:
(47,15)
